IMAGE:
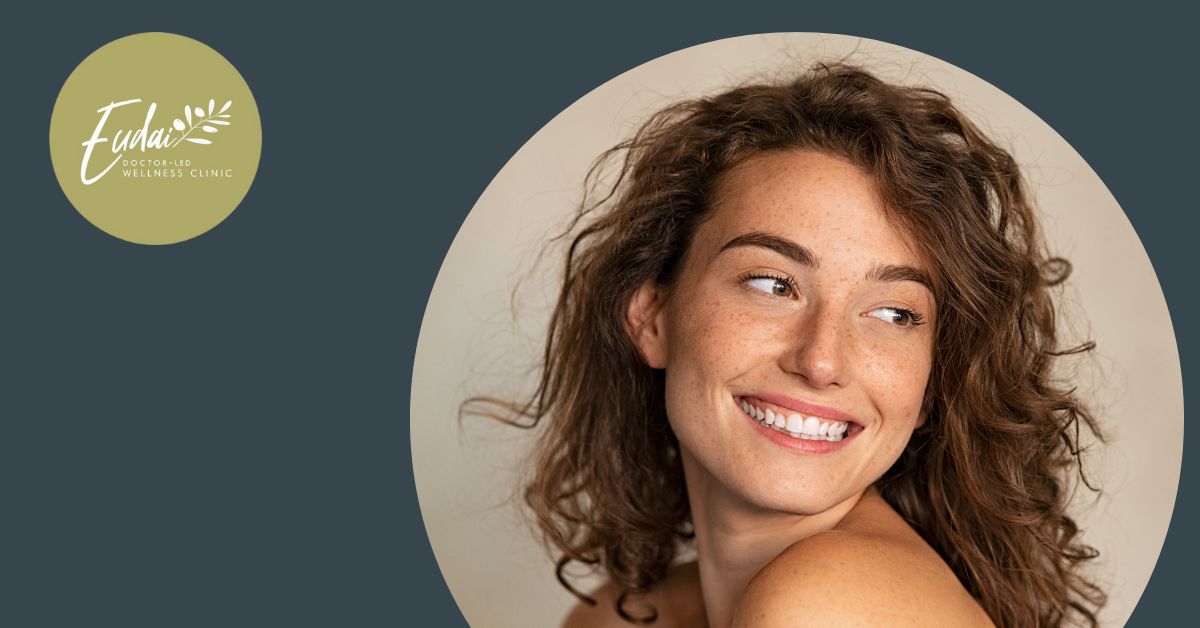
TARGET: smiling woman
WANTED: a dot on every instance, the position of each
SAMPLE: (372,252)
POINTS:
(812,328)
(809,328)
(796,350)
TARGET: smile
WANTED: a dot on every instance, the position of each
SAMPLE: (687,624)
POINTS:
(796,424)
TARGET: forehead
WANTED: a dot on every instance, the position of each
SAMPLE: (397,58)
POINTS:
(818,200)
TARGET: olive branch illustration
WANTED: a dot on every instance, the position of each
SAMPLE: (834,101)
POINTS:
(204,120)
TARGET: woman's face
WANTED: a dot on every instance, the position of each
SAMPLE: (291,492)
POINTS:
(800,301)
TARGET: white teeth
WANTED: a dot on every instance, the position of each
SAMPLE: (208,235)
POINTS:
(796,424)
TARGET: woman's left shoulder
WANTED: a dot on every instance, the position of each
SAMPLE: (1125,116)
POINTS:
(869,573)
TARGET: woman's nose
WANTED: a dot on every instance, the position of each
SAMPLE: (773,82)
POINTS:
(816,350)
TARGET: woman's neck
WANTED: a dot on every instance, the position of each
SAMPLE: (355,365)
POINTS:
(735,539)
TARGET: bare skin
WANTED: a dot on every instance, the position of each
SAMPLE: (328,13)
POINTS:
(871,555)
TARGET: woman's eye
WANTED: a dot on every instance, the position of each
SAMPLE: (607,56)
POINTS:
(897,316)
(771,285)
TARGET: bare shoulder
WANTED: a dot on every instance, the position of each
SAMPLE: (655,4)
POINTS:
(676,600)
(875,571)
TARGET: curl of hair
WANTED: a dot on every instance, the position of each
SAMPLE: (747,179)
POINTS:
(985,480)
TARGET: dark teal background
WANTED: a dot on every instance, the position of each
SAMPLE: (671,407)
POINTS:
(215,433)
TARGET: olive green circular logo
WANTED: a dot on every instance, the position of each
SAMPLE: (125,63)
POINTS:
(155,138)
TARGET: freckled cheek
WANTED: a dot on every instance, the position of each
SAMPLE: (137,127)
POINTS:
(899,377)
(721,338)
(702,348)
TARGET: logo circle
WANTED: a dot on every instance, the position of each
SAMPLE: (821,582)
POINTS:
(155,138)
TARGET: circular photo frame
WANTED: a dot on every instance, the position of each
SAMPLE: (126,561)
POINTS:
(486,319)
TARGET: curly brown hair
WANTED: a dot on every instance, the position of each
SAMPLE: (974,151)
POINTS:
(985,480)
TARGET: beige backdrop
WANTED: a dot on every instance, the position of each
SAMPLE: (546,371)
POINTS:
(473,340)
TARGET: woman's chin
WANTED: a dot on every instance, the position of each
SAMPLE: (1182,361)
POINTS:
(783,498)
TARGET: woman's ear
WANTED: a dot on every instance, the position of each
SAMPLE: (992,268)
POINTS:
(645,323)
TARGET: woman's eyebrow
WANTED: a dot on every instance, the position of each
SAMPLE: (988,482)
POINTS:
(783,246)
(896,272)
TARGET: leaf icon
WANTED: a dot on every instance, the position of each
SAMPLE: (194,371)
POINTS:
(196,140)
(211,103)
(199,112)
(208,129)
(226,106)
(220,122)
(178,124)
(224,115)
(187,113)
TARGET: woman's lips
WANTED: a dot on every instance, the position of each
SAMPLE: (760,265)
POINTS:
(803,407)
(787,427)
